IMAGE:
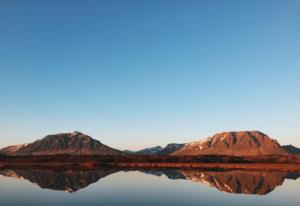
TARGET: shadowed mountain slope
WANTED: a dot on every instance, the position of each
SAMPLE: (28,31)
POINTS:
(291,149)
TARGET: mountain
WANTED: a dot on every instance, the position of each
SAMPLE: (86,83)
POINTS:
(158,150)
(291,149)
(12,149)
(74,143)
(170,148)
(243,143)
(149,151)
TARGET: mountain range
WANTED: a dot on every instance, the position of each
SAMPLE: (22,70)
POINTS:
(242,143)
(158,150)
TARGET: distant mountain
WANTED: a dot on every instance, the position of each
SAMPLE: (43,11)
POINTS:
(74,143)
(158,150)
(170,148)
(243,143)
(149,151)
(11,149)
(291,149)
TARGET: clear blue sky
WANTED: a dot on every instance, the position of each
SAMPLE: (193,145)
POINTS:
(144,73)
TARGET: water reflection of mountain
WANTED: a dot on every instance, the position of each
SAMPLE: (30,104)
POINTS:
(233,181)
(67,180)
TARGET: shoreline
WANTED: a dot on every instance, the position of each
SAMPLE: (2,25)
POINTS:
(287,167)
(270,162)
(225,166)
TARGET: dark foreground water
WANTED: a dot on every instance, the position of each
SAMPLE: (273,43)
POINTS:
(148,187)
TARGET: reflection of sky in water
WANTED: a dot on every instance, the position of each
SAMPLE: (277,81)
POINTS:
(135,188)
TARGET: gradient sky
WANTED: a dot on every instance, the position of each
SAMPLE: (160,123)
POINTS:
(143,73)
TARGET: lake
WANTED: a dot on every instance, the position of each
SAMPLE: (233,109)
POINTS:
(108,186)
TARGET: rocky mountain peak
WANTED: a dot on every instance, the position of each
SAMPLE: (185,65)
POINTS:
(240,143)
(75,143)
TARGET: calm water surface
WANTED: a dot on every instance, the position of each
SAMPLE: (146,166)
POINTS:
(148,187)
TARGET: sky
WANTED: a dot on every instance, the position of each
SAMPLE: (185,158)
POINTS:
(134,74)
